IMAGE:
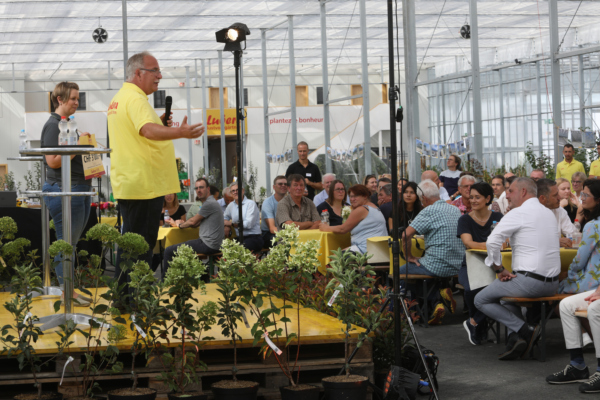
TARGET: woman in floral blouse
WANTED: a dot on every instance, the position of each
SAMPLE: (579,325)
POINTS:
(584,271)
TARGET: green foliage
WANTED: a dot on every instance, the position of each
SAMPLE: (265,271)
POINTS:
(351,274)
(117,333)
(10,182)
(18,338)
(104,233)
(542,161)
(214,176)
(8,228)
(262,195)
(183,279)
(33,180)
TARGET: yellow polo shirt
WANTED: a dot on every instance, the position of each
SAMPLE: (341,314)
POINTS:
(595,168)
(566,170)
(140,169)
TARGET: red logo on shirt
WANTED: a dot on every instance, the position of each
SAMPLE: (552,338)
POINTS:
(113,106)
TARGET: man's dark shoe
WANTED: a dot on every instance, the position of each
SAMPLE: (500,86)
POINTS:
(515,351)
(568,375)
(472,332)
(531,334)
(591,386)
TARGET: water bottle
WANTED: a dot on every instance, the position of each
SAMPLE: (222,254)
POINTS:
(22,140)
(494,224)
(167,218)
(63,135)
(577,235)
(325,217)
(72,125)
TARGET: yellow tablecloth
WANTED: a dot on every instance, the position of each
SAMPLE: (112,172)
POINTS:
(170,236)
(112,221)
(329,241)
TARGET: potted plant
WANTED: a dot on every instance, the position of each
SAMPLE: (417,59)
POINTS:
(183,279)
(350,273)
(18,338)
(231,269)
(146,317)
(12,249)
(273,283)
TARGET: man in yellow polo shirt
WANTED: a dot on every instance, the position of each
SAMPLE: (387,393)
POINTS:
(567,167)
(143,168)
(595,167)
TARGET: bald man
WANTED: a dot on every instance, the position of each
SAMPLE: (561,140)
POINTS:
(432,175)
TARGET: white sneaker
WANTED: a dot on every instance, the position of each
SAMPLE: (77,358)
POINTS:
(587,340)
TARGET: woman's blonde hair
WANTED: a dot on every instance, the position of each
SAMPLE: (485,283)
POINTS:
(560,181)
(175,201)
(62,90)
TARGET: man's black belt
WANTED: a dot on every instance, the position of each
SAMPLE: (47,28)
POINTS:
(538,276)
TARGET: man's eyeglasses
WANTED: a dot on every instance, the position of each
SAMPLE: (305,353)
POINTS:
(282,184)
(585,196)
(199,187)
(154,71)
(576,182)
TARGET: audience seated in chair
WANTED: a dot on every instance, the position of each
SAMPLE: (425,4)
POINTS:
(269,210)
(252,239)
(334,203)
(444,252)
(474,229)
(409,207)
(365,220)
(296,208)
(533,234)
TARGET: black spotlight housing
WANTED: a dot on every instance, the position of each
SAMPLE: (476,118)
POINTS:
(233,36)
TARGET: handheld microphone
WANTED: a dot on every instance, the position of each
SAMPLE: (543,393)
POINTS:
(168,103)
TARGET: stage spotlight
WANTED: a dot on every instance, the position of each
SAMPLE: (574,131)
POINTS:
(233,36)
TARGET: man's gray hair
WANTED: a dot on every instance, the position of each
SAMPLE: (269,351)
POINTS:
(467,177)
(327,175)
(528,184)
(234,184)
(226,191)
(387,189)
(134,63)
(428,189)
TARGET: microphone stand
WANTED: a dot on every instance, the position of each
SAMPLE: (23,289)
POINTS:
(399,293)
(237,58)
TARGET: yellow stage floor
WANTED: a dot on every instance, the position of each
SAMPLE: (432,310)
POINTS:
(315,327)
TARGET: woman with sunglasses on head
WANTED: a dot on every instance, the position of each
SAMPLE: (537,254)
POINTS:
(65,99)
(334,203)
(176,211)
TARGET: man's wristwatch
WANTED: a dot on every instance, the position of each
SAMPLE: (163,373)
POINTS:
(499,270)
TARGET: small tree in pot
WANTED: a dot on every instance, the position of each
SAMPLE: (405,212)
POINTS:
(183,279)
(232,266)
(270,287)
(351,274)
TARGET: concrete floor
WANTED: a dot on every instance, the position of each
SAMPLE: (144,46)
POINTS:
(474,372)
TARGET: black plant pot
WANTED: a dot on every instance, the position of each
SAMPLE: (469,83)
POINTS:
(307,394)
(247,393)
(55,396)
(188,396)
(148,396)
(345,390)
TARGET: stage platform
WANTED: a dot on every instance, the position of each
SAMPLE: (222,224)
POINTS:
(321,352)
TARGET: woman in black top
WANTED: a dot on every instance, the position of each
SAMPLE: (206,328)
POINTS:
(176,210)
(335,203)
(410,204)
(474,229)
(65,99)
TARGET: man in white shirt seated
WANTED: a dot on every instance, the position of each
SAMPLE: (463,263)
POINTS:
(533,234)
(225,200)
(547,193)
(434,177)
(324,194)
(269,210)
(253,240)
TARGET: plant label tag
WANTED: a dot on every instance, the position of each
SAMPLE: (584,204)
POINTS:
(333,297)
(64,369)
(29,315)
(244,318)
(140,331)
(271,344)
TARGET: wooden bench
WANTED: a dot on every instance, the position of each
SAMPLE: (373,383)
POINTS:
(547,312)
(413,278)
(581,313)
